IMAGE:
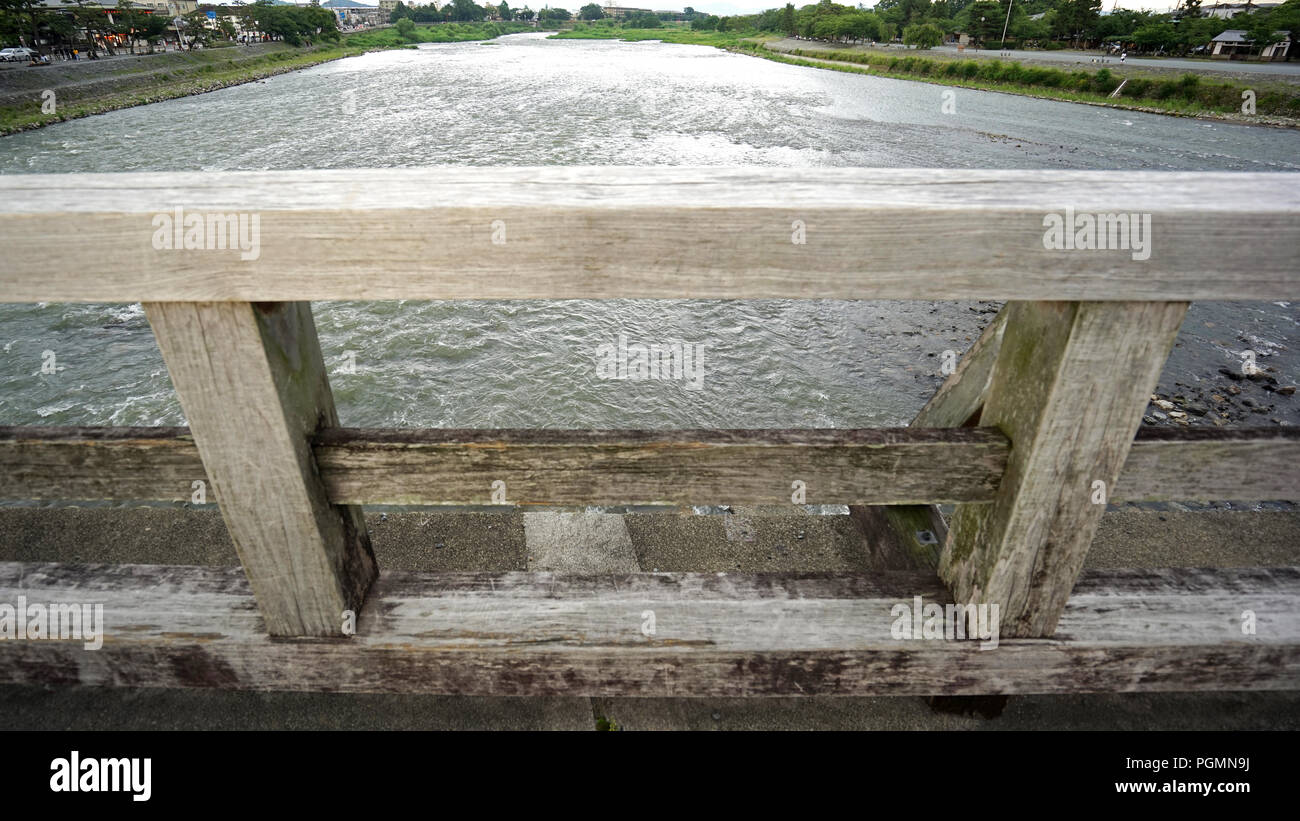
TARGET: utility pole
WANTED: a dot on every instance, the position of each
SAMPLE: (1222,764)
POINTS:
(1007,23)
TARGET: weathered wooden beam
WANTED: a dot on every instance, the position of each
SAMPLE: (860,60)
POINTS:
(659,467)
(100,463)
(961,395)
(910,537)
(664,232)
(1211,464)
(901,537)
(715,635)
(123,464)
(252,383)
(1069,389)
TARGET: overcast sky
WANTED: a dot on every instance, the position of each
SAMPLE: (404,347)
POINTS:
(722,7)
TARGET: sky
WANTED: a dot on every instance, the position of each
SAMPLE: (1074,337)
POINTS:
(724,8)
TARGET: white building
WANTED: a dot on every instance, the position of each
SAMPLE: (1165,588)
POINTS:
(1226,11)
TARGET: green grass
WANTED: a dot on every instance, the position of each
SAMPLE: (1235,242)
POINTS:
(1188,94)
(440,33)
(607,725)
(680,35)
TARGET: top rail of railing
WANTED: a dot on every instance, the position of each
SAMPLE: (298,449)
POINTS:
(661,232)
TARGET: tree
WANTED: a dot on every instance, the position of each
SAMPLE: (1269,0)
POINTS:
(985,20)
(504,11)
(1027,28)
(465,11)
(1076,19)
(555,15)
(91,19)
(524,14)
(400,11)
(923,35)
(127,20)
(15,10)
(591,11)
(787,19)
(405,28)
(1156,36)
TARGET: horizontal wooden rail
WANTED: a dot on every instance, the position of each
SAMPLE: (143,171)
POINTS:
(892,466)
(714,635)
(581,233)
(888,466)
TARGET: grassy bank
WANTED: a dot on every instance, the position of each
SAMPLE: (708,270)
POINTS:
(151,79)
(86,88)
(679,35)
(1188,95)
(441,33)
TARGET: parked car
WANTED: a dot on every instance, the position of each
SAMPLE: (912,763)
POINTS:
(22,54)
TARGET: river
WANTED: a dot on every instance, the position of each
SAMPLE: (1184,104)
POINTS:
(525,100)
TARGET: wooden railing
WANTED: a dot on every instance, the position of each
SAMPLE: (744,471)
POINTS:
(1041,414)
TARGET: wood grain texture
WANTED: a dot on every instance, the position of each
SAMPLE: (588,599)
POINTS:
(1069,389)
(99,463)
(902,537)
(252,383)
(1211,464)
(660,467)
(514,634)
(579,233)
(124,464)
(961,395)
(911,537)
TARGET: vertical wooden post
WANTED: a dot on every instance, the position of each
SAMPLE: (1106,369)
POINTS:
(894,532)
(1069,387)
(252,382)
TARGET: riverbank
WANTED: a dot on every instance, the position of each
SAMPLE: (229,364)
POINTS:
(1188,95)
(86,87)
(82,90)
(1275,104)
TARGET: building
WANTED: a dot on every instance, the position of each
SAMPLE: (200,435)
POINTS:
(389,6)
(1226,11)
(1234,45)
(173,8)
(352,13)
(618,12)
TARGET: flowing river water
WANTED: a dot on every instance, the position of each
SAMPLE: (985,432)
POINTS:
(525,100)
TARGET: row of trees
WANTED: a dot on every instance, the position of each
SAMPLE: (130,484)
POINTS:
(467,11)
(83,21)
(1048,23)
